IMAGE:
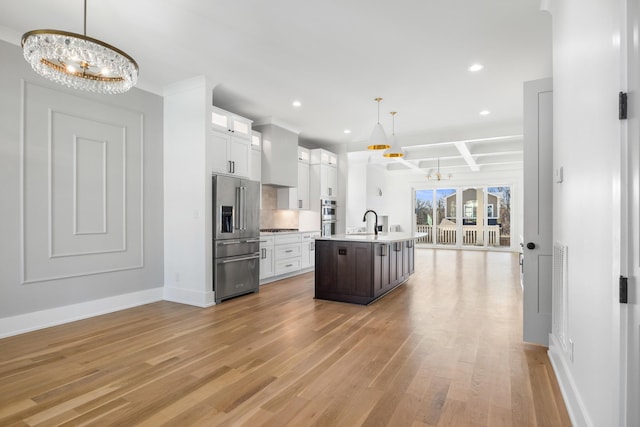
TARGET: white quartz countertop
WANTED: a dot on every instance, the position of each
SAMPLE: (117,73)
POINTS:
(275,233)
(381,237)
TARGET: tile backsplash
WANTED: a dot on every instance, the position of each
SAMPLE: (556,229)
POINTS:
(271,216)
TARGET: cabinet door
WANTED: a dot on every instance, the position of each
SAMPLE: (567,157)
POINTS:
(256,165)
(328,181)
(303,185)
(267,268)
(240,156)
(326,260)
(305,261)
(218,152)
(361,256)
(381,278)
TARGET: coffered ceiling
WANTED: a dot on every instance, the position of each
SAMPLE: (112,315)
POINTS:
(334,57)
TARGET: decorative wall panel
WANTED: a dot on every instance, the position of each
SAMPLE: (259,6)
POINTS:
(82,186)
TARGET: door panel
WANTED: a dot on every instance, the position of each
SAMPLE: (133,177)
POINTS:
(538,210)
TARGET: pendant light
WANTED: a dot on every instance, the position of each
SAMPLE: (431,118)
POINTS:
(378,139)
(78,61)
(438,176)
(394,150)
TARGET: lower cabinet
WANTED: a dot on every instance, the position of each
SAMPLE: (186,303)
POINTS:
(286,254)
(308,249)
(361,272)
(346,273)
(267,265)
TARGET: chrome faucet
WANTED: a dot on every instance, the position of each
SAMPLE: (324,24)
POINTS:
(375,227)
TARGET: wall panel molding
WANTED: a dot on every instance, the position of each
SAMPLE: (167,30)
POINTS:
(82,186)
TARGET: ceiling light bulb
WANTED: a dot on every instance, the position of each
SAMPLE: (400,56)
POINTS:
(485,112)
(476,67)
(347,131)
(296,103)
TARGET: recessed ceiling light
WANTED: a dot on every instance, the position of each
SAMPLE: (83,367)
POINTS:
(296,103)
(485,112)
(347,131)
(476,67)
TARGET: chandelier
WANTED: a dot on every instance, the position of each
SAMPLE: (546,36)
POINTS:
(378,139)
(78,61)
(438,176)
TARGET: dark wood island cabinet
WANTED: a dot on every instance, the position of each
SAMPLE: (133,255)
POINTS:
(361,268)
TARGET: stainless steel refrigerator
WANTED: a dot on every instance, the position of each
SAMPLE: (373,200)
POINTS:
(236,236)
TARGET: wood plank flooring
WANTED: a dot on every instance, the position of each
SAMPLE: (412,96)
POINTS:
(444,349)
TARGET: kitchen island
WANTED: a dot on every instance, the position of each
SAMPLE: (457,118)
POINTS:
(360,268)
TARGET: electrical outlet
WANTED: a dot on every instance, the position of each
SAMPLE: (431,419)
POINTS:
(571,350)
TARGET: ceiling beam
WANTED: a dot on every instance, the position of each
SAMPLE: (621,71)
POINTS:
(466,154)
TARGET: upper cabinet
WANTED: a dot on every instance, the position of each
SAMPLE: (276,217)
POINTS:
(230,141)
(324,174)
(256,156)
(279,156)
(303,178)
(324,157)
(225,121)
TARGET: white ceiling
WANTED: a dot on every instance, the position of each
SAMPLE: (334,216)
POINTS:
(334,56)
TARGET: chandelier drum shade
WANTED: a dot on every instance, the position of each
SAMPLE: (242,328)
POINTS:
(378,139)
(394,150)
(78,61)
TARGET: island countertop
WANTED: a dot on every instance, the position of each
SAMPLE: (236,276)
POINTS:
(370,237)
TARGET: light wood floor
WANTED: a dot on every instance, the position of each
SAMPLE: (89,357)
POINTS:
(444,349)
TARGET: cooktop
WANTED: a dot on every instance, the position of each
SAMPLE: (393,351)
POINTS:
(277,230)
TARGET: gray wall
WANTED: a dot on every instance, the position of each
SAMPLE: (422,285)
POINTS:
(59,266)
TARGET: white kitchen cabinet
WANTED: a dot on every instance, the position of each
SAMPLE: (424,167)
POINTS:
(229,154)
(287,253)
(308,249)
(296,198)
(303,185)
(328,181)
(256,156)
(267,265)
(323,176)
(324,157)
(227,122)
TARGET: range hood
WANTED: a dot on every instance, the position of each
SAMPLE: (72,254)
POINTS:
(279,156)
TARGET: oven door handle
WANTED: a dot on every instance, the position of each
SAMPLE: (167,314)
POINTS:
(253,256)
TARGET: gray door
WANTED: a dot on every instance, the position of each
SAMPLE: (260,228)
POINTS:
(538,211)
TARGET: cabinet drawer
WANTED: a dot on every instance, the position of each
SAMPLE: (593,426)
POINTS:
(287,265)
(287,238)
(291,250)
(266,241)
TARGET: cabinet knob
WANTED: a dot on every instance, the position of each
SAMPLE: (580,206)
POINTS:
(531,245)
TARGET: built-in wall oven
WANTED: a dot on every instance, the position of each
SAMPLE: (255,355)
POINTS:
(328,217)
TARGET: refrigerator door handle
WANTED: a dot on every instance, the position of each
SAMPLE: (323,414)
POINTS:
(244,208)
(237,211)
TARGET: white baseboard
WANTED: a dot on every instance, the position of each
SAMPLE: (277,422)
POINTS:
(189,297)
(572,399)
(28,322)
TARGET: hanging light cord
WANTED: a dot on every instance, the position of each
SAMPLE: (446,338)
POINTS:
(85,18)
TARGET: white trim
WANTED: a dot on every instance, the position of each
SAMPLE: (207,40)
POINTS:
(56,316)
(189,296)
(575,406)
